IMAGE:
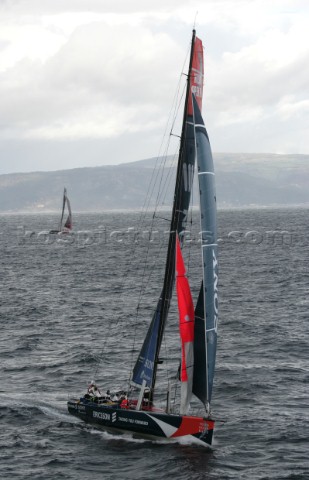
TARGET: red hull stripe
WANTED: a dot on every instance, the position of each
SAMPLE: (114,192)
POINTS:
(193,425)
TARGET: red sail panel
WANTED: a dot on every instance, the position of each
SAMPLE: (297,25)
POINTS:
(186,317)
(197,75)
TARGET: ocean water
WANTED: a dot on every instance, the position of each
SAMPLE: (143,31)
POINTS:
(68,312)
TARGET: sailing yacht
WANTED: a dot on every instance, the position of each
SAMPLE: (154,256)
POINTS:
(67,226)
(136,410)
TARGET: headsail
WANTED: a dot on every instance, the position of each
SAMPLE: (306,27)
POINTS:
(144,367)
(147,361)
(206,312)
(186,327)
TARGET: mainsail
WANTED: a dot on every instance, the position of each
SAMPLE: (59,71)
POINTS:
(206,312)
(68,224)
(186,327)
(145,369)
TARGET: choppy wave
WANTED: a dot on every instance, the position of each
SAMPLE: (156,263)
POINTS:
(62,305)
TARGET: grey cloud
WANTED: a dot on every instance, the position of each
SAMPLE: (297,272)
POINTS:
(87,73)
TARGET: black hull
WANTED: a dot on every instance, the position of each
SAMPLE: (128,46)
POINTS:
(144,424)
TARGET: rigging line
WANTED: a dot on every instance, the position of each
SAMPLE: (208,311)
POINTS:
(177,100)
(143,217)
(106,339)
(162,218)
(177,212)
(153,182)
(142,292)
(167,182)
(145,284)
(167,179)
(163,163)
(132,256)
(163,160)
(160,184)
(180,102)
(178,180)
(151,269)
(157,259)
(173,108)
(169,267)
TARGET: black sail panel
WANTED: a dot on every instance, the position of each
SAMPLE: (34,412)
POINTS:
(199,376)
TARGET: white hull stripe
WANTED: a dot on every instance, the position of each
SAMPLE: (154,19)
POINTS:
(206,173)
(168,430)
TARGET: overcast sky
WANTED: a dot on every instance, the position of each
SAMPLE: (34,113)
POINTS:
(91,82)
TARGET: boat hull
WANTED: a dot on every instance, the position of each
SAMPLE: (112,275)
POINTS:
(144,424)
(59,232)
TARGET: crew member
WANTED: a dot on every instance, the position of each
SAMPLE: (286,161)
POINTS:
(93,390)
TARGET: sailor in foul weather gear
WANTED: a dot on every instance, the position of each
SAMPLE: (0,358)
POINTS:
(93,390)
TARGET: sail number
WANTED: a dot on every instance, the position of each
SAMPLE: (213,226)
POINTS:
(149,364)
(215,270)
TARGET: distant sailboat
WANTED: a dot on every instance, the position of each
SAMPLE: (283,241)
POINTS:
(68,225)
(137,413)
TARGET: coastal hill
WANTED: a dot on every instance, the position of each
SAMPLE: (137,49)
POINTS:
(243,180)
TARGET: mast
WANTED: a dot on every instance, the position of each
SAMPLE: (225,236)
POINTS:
(145,368)
(175,225)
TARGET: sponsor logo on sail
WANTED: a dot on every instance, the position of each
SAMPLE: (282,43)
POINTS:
(149,364)
(215,270)
(144,376)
